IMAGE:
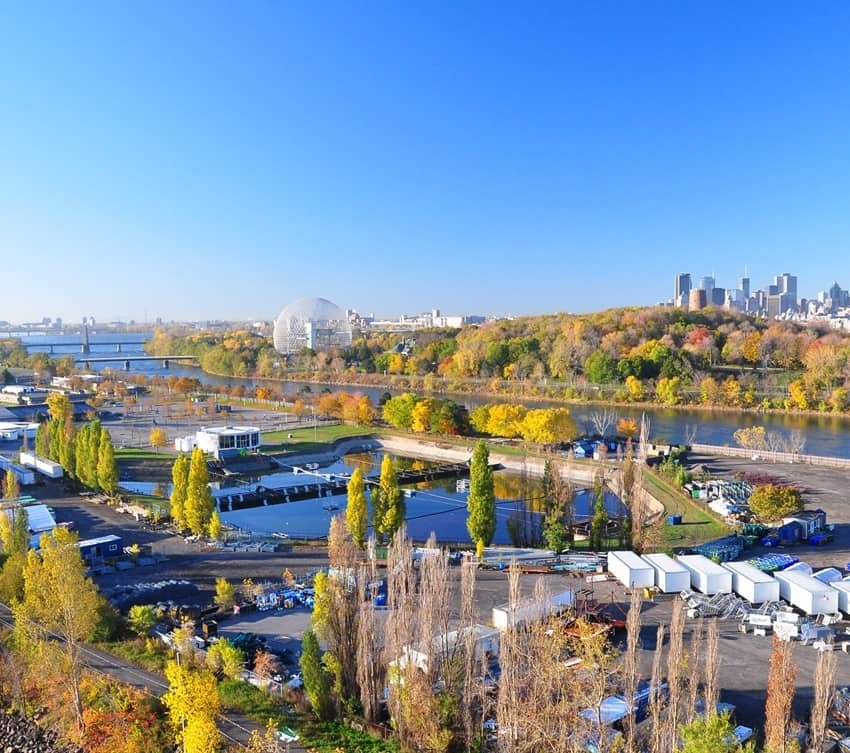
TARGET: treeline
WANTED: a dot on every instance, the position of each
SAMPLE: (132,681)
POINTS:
(86,454)
(658,355)
(14,355)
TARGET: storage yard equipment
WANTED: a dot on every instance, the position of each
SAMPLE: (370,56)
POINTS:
(25,476)
(706,576)
(770,563)
(631,570)
(806,593)
(810,522)
(843,589)
(670,576)
(723,550)
(751,583)
(528,610)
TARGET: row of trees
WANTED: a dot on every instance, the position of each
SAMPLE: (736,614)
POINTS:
(388,506)
(539,426)
(425,414)
(192,503)
(86,454)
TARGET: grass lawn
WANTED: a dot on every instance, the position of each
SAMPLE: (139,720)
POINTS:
(141,453)
(239,695)
(309,439)
(697,526)
(329,737)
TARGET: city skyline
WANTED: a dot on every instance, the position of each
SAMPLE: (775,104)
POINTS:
(205,162)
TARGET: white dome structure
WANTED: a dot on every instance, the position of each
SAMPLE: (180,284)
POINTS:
(313,323)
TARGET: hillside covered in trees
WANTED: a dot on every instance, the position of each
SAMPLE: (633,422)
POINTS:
(654,355)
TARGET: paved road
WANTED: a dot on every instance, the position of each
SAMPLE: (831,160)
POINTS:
(236,728)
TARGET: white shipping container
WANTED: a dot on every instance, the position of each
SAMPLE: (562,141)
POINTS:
(842,587)
(631,570)
(44,466)
(828,575)
(806,593)
(670,576)
(529,611)
(706,576)
(751,583)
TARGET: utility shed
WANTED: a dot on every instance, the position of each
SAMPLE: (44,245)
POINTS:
(631,570)
(671,577)
(103,547)
(751,583)
(806,593)
(707,577)
(842,587)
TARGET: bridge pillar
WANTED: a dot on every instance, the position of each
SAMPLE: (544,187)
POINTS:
(51,350)
(117,347)
(126,365)
(164,363)
(85,347)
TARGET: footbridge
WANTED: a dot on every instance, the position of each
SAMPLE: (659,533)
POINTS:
(88,361)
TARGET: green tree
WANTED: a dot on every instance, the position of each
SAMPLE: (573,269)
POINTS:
(770,503)
(42,439)
(317,682)
(59,407)
(93,454)
(179,488)
(714,733)
(11,487)
(107,470)
(600,515)
(389,515)
(199,501)
(225,594)
(141,618)
(600,368)
(356,512)
(81,462)
(481,503)
(223,657)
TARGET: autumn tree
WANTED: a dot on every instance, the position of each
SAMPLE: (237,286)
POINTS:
(481,503)
(557,508)
(199,505)
(215,528)
(711,733)
(781,680)
(356,512)
(59,599)
(193,705)
(179,488)
(158,438)
(599,521)
(225,594)
(226,659)
(770,503)
(751,438)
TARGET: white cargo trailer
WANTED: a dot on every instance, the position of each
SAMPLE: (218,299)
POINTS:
(670,576)
(631,570)
(806,593)
(706,576)
(751,583)
(528,610)
(828,575)
(842,588)
(45,466)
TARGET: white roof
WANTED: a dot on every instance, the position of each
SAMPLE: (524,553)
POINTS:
(750,572)
(228,430)
(813,585)
(631,560)
(701,563)
(611,710)
(665,563)
(39,518)
(99,540)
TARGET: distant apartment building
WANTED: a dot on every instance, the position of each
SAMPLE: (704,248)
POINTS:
(681,289)
(778,299)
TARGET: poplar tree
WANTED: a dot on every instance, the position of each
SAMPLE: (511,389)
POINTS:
(481,504)
(193,703)
(600,515)
(317,682)
(42,439)
(93,455)
(179,488)
(81,459)
(215,528)
(107,471)
(356,512)
(392,506)
(199,502)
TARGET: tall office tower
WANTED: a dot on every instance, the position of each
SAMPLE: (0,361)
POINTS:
(788,284)
(682,289)
(706,283)
(718,296)
(745,287)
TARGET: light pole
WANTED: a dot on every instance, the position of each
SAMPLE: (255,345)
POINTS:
(315,426)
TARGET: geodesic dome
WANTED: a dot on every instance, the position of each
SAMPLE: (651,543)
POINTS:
(311,323)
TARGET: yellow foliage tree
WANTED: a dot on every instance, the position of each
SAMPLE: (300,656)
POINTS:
(505,420)
(421,416)
(548,426)
(634,386)
(158,438)
(193,704)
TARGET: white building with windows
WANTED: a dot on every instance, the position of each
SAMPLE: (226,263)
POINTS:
(228,441)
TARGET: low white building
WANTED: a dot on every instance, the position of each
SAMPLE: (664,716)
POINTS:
(221,441)
(39,520)
(485,642)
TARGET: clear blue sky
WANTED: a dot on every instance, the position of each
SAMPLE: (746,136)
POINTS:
(195,160)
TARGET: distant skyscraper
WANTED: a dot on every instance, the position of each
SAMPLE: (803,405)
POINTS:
(787,284)
(745,287)
(707,284)
(682,288)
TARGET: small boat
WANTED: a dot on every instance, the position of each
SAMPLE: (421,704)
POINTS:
(409,493)
(330,508)
(280,535)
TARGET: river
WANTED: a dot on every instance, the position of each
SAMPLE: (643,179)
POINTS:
(825,434)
